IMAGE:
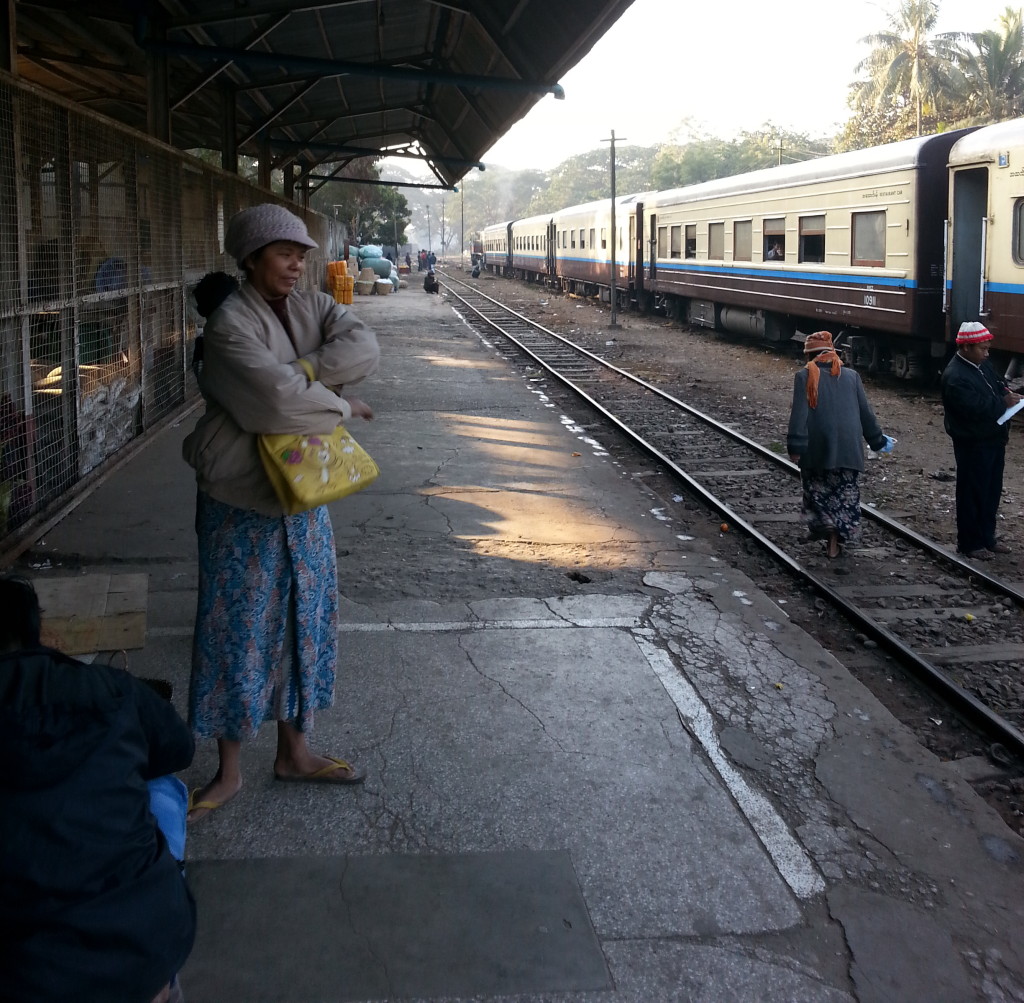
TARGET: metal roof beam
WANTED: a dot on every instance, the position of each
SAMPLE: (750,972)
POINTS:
(378,181)
(343,149)
(274,113)
(339,67)
(257,36)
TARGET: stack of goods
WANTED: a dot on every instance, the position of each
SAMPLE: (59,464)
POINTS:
(339,282)
(365,283)
(372,256)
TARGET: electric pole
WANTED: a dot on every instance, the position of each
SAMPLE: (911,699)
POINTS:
(614,245)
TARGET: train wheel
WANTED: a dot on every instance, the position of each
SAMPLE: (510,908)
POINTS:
(901,365)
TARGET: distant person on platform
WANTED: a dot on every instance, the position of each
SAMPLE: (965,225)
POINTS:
(974,397)
(431,260)
(430,284)
(408,261)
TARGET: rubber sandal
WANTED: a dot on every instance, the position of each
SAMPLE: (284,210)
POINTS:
(328,774)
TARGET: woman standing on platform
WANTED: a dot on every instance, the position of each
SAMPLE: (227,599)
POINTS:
(829,418)
(265,643)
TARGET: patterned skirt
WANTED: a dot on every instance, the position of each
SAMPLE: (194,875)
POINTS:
(831,503)
(266,634)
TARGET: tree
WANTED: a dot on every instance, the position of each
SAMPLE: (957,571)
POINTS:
(709,158)
(586,177)
(372,214)
(907,62)
(990,84)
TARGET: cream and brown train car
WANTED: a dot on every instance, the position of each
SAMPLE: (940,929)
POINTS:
(495,239)
(852,243)
(532,248)
(588,245)
(984,275)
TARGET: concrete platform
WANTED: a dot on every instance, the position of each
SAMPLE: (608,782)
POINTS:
(603,766)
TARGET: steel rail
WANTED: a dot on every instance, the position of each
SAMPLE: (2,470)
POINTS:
(963,702)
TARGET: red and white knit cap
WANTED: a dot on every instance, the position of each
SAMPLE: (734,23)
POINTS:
(972,333)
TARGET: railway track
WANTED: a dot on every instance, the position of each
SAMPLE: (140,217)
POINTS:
(941,617)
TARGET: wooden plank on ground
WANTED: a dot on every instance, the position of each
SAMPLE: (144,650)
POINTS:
(975,653)
(93,612)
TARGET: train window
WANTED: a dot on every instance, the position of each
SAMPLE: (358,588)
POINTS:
(583,239)
(662,241)
(572,239)
(774,239)
(716,241)
(691,240)
(592,244)
(812,239)
(604,239)
(676,241)
(742,240)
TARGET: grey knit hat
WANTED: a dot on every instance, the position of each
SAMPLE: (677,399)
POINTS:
(259,225)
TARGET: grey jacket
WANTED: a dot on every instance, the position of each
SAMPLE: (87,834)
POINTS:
(829,436)
(253,385)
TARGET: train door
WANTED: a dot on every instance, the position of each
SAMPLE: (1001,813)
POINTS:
(551,248)
(652,269)
(966,257)
(508,250)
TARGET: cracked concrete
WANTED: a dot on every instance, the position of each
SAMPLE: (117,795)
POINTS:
(541,661)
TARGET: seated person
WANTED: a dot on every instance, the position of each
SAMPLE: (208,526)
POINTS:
(93,906)
(775,252)
(430,284)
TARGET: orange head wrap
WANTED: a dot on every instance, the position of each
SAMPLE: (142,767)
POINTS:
(820,344)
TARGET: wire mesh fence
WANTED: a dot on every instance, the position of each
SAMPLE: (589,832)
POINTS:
(103,235)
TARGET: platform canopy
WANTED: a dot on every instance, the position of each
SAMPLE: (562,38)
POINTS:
(304,83)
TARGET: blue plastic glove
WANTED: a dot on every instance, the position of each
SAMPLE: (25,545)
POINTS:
(889,443)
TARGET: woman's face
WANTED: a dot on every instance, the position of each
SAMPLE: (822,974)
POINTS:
(274,269)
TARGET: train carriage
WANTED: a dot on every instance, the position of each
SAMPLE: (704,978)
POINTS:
(984,274)
(582,248)
(497,243)
(585,249)
(532,248)
(851,243)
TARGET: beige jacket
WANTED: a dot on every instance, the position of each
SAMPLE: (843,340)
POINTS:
(252,384)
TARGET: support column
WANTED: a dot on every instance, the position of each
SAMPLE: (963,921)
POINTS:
(265,164)
(9,38)
(229,130)
(158,106)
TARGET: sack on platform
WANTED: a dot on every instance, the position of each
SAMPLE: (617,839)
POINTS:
(310,470)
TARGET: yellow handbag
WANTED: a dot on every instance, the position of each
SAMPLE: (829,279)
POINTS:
(310,470)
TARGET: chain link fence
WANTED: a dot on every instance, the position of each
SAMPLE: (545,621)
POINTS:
(103,235)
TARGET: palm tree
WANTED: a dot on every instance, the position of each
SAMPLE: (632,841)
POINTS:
(907,62)
(991,79)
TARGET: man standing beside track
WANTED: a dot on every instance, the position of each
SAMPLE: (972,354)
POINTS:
(974,397)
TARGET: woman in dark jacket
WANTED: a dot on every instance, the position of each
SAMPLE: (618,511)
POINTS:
(829,419)
(93,906)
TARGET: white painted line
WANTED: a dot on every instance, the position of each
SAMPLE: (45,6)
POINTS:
(790,859)
(447,626)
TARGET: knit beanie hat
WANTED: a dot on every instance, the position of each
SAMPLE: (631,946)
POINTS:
(972,333)
(821,343)
(818,342)
(259,225)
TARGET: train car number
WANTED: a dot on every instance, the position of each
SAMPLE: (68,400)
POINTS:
(870,299)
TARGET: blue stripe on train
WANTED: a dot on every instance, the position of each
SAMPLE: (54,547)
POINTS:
(775,273)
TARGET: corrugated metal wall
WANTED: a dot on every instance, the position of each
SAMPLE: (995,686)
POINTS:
(103,235)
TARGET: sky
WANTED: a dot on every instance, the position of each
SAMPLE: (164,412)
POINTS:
(724,66)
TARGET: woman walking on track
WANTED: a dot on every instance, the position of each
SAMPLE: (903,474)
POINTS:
(265,644)
(829,418)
